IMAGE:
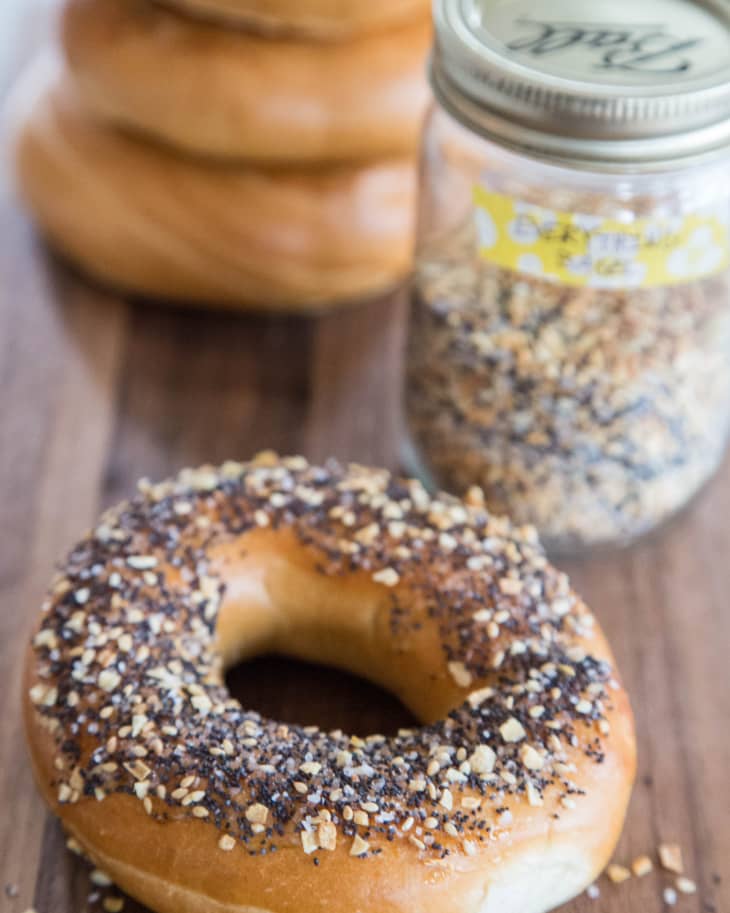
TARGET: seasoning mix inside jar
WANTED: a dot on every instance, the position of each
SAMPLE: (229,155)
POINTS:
(569,348)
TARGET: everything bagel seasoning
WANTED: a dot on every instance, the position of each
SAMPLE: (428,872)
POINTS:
(593,414)
(570,343)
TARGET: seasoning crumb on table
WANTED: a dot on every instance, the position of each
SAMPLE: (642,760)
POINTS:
(618,873)
(686,885)
(641,866)
(670,857)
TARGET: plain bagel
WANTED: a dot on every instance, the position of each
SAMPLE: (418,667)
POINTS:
(508,799)
(234,94)
(145,220)
(321,19)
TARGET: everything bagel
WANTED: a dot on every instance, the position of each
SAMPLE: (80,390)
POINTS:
(509,798)
(238,95)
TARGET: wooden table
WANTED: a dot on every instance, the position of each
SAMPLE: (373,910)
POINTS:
(96,391)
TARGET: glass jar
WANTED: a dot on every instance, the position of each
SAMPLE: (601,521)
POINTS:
(569,347)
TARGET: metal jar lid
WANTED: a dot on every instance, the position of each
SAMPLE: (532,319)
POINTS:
(618,82)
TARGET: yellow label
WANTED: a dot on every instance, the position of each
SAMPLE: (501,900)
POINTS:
(585,250)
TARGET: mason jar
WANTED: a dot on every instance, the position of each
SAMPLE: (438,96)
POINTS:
(569,344)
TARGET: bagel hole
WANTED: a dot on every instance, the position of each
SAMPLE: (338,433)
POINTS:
(308,694)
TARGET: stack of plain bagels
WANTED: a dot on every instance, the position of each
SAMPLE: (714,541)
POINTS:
(247,153)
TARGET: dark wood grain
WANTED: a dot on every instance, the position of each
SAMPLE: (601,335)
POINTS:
(96,392)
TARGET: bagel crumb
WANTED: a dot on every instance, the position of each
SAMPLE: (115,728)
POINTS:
(593,891)
(641,866)
(669,895)
(226,843)
(670,857)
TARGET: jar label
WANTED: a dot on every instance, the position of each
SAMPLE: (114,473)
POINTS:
(585,250)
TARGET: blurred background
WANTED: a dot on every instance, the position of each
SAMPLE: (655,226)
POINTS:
(100,386)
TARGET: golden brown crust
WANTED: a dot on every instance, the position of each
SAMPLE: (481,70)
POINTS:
(353,567)
(145,220)
(233,94)
(321,19)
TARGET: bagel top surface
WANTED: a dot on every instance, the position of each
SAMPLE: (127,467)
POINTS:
(320,19)
(455,610)
(237,95)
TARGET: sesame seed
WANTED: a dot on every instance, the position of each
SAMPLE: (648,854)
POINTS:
(142,562)
(460,674)
(388,577)
(534,797)
(109,679)
(512,730)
